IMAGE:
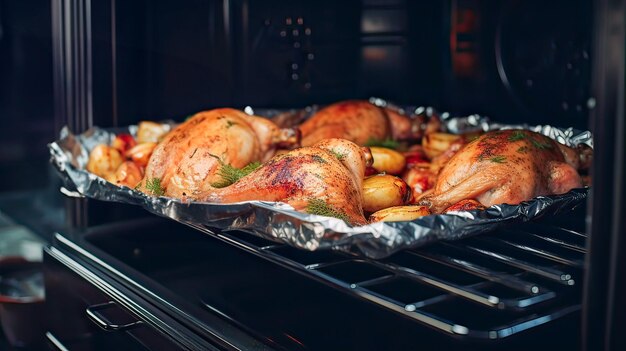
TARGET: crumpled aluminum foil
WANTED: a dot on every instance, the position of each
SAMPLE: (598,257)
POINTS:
(279,222)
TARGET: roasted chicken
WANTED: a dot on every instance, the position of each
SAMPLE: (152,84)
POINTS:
(508,166)
(357,121)
(325,179)
(186,161)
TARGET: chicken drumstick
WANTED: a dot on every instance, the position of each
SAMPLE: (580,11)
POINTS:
(330,172)
(188,158)
(358,121)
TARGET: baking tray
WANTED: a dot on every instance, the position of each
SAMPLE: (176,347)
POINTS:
(280,222)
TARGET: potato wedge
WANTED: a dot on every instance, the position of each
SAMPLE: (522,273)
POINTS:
(435,144)
(399,214)
(127,174)
(151,132)
(387,160)
(382,191)
(104,160)
(141,153)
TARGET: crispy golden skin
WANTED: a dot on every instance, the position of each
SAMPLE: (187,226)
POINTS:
(331,171)
(188,158)
(507,166)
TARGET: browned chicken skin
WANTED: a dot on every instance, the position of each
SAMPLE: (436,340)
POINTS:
(357,121)
(186,160)
(508,166)
(331,171)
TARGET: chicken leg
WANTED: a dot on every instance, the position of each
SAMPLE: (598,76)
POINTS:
(508,166)
(358,121)
(330,171)
(188,158)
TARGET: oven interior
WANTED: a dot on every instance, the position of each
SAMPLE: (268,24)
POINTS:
(515,61)
(523,284)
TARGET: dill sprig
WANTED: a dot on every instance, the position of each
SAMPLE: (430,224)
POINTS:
(231,175)
(498,159)
(321,208)
(153,186)
(539,144)
(517,135)
(388,143)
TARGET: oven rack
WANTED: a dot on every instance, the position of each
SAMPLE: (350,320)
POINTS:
(485,287)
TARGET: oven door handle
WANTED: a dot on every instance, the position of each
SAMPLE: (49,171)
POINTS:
(93,312)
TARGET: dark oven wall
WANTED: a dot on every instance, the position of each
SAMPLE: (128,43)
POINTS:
(26,103)
(517,61)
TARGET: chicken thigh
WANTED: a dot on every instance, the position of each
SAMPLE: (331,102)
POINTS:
(357,121)
(187,159)
(508,166)
(329,173)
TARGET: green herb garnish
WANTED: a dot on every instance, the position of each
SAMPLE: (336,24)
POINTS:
(522,149)
(338,155)
(154,187)
(231,175)
(230,123)
(498,159)
(540,145)
(388,143)
(321,208)
(517,135)
(137,187)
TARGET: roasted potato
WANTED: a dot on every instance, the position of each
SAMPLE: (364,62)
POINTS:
(127,174)
(104,160)
(399,213)
(123,142)
(435,144)
(141,153)
(382,191)
(387,160)
(151,132)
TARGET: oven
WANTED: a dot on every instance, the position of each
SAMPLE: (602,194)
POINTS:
(117,277)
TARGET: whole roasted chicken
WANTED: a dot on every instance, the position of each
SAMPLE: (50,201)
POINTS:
(508,166)
(324,179)
(186,161)
(358,121)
